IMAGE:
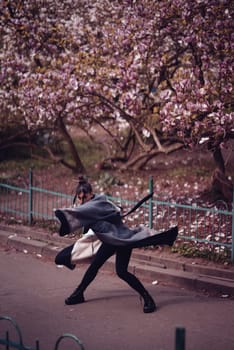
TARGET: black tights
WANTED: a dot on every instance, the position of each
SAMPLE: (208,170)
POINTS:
(123,255)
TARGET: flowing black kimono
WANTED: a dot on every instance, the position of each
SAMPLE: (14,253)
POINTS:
(105,220)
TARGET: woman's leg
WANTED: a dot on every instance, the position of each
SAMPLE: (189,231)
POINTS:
(123,255)
(64,258)
(103,253)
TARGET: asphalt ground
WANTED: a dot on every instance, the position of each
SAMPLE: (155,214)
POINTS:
(33,290)
(151,266)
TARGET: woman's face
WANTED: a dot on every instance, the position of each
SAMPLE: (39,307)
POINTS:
(84,197)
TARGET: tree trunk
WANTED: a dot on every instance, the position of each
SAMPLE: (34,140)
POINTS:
(78,167)
(221,186)
(218,158)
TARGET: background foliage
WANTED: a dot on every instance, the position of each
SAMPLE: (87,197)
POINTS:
(154,76)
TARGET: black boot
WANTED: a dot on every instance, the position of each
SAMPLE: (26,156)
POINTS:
(65,258)
(149,304)
(77,297)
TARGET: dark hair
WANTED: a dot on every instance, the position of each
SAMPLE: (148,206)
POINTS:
(83,186)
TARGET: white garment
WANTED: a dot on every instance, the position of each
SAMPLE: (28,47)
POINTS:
(85,248)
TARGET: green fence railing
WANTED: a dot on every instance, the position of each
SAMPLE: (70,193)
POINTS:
(208,226)
(19,345)
(180,338)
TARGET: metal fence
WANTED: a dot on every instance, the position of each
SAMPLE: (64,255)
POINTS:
(19,345)
(206,226)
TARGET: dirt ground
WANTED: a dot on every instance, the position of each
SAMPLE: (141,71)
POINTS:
(181,177)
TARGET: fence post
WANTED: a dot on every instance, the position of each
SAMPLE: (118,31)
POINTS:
(151,188)
(30,216)
(233,227)
(180,339)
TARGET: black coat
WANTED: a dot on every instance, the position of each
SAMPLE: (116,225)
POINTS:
(104,218)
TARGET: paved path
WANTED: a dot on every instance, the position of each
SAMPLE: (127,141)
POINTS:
(199,275)
(33,291)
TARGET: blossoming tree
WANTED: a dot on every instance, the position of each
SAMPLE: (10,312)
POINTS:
(163,68)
